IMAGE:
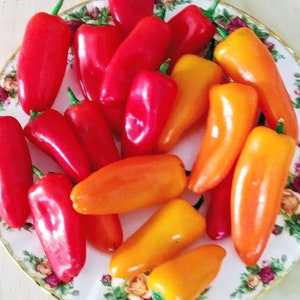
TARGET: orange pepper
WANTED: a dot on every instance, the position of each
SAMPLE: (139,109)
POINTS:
(258,182)
(194,76)
(256,67)
(175,225)
(186,276)
(131,183)
(232,114)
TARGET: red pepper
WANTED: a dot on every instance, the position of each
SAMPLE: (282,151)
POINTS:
(149,103)
(42,60)
(92,131)
(51,132)
(104,232)
(94,47)
(218,216)
(191,32)
(58,226)
(126,14)
(143,49)
(15,173)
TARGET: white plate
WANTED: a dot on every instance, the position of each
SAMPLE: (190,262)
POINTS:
(283,249)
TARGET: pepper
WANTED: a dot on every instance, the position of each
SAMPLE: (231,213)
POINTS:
(147,109)
(58,227)
(139,252)
(218,215)
(194,76)
(231,116)
(42,60)
(191,32)
(136,53)
(127,14)
(88,122)
(129,184)
(104,232)
(94,47)
(186,276)
(15,173)
(51,133)
(258,182)
(257,68)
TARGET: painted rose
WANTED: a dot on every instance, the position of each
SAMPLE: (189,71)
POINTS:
(44,268)
(3,94)
(137,288)
(52,280)
(266,274)
(290,202)
(10,84)
(253,281)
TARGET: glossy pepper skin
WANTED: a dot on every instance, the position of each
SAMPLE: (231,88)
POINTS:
(51,133)
(104,232)
(257,68)
(94,47)
(231,116)
(58,226)
(218,215)
(194,76)
(15,173)
(186,276)
(258,182)
(191,32)
(136,53)
(126,14)
(129,184)
(42,61)
(139,252)
(148,106)
(89,124)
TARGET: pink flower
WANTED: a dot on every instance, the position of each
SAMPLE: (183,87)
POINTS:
(52,280)
(266,274)
(3,94)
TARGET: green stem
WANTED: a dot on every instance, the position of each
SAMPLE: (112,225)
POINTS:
(57,8)
(34,114)
(209,13)
(164,66)
(72,97)
(199,203)
(210,51)
(37,172)
(280,126)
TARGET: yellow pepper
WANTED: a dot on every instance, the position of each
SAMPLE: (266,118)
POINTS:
(186,276)
(194,76)
(174,226)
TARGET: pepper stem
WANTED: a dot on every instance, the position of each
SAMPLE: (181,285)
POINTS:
(33,114)
(199,203)
(280,126)
(37,172)
(210,51)
(57,8)
(72,97)
(209,13)
(164,66)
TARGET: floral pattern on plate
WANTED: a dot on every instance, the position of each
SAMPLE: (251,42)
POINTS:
(94,282)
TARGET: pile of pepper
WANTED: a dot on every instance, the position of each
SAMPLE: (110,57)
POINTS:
(148,95)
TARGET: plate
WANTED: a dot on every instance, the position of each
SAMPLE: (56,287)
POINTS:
(234,280)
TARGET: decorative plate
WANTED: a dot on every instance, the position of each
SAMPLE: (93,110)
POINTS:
(234,281)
